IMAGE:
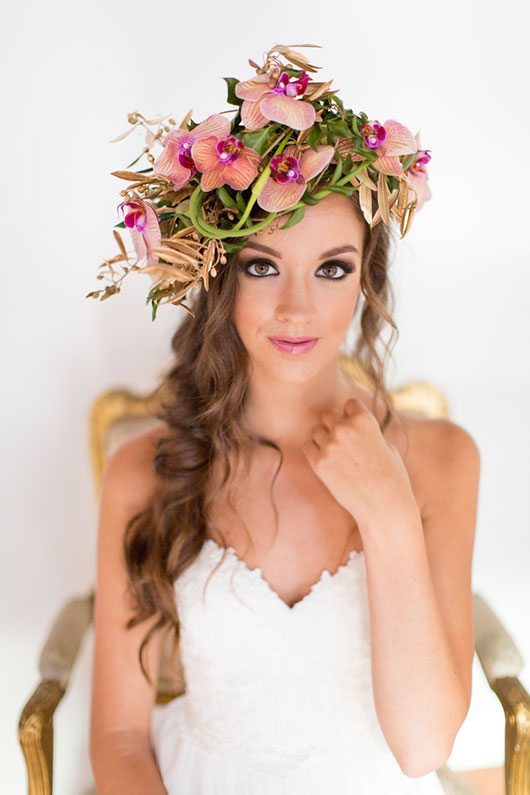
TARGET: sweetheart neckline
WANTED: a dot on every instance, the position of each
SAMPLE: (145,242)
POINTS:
(257,574)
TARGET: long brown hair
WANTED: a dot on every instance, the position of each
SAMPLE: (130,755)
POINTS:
(204,394)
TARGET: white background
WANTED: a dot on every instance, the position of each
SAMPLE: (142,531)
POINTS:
(455,71)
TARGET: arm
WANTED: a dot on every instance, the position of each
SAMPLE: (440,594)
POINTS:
(420,601)
(122,699)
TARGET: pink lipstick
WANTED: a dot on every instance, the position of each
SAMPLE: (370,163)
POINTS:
(294,345)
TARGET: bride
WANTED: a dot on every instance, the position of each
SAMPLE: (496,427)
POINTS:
(310,545)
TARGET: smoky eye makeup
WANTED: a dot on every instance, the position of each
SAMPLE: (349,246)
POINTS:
(347,267)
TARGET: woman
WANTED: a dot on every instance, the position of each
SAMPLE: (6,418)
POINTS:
(310,545)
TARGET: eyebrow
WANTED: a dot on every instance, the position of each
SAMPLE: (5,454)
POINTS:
(330,253)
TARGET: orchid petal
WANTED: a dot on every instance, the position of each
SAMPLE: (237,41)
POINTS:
(149,238)
(213,178)
(253,89)
(243,170)
(204,153)
(420,185)
(295,113)
(251,116)
(313,162)
(388,165)
(168,164)
(276,196)
(399,139)
(213,125)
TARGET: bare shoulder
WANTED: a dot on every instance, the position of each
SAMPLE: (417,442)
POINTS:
(442,455)
(130,468)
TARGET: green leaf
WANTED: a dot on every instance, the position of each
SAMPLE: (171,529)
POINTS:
(225,197)
(314,137)
(338,168)
(240,201)
(121,225)
(346,191)
(308,199)
(295,218)
(339,128)
(231,93)
(258,140)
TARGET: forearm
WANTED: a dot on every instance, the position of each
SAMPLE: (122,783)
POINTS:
(119,768)
(419,697)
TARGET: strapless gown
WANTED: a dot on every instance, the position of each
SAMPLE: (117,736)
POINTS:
(279,699)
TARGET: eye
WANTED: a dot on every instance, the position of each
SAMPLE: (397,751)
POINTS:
(263,263)
(345,266)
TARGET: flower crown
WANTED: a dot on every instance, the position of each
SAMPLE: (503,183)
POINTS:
(290,143)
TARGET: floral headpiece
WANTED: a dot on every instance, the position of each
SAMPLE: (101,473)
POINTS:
(290,143)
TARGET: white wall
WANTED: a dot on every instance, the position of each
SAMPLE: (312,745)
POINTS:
(456,71)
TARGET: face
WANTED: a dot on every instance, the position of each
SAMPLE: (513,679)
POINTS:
(300,282)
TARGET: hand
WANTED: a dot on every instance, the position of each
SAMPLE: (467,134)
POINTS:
(362,470)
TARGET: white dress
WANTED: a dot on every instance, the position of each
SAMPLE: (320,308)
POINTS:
(278,699)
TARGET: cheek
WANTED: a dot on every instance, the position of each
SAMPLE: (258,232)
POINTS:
(338,307)
(251,310)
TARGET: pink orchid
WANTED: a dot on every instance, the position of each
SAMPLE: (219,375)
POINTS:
(265,100)
(225,161)
(417,176)
(388,140)
(142,220)
(176,161)
(290,174)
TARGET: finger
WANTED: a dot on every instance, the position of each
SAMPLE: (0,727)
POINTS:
(329,418)
(354,406)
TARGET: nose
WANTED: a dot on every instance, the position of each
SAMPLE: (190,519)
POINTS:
(295,300)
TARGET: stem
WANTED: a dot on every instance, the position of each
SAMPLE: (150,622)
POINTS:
(258,185)
(213,231)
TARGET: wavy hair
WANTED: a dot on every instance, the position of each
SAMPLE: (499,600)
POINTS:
(204,395)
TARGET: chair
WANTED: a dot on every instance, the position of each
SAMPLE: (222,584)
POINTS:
(118,414)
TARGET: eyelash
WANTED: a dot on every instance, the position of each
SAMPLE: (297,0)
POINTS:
(340,263)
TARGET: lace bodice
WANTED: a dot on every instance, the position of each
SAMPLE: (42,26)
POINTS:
(269,683)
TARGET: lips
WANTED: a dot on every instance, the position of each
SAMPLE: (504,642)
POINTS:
(293,339)
(294,345)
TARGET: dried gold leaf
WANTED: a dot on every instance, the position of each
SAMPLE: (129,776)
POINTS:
(129,175)
(382,197)
(123,135)
(185,120)
(365,200)
(173,256)
(367,180)
(120,243)
(161,271)
(318,90)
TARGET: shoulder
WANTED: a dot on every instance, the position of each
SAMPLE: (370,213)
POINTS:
(129,471)
(446,459)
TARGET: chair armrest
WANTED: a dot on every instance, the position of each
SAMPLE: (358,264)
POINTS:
(61,648)
(496,650)
(56,661)
(502,663)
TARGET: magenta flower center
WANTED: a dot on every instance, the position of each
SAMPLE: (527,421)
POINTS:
(373,134)
(291,86)
(421,159)
(136,217)
(285,169)
(185,158)
(229,149)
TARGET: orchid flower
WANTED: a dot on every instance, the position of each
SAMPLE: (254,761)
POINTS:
(290,175)
(388,140)
(417,176)
(142,220)
(225,161)
(279,102)
(176,161)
